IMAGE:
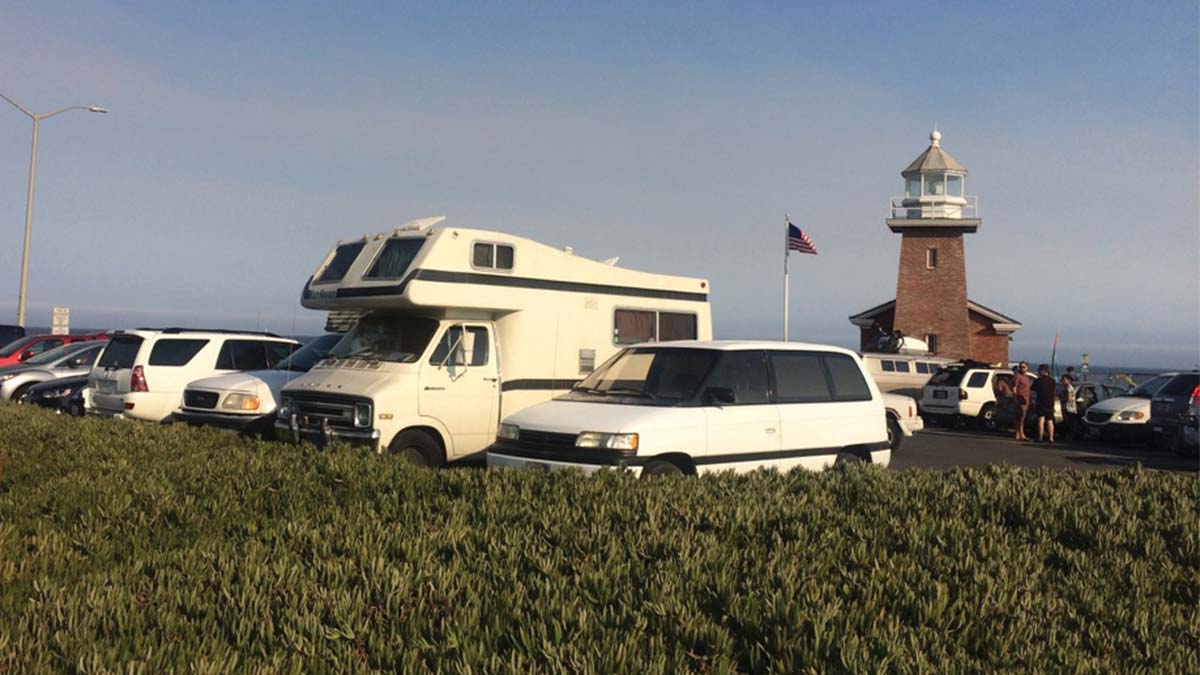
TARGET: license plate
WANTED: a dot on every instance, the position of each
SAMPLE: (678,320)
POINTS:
(939,394)
(1158,430)
(1093,432)
(107,386)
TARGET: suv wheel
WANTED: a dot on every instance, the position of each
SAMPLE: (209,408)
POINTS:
(418,448)
(987,418)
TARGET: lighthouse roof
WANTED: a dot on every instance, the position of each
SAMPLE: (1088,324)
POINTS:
(934,159)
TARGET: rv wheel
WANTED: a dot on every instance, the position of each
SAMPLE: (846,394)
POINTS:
(417,448)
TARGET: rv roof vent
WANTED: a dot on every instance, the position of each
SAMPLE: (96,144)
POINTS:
(611,262)
(568,250)
(420,224)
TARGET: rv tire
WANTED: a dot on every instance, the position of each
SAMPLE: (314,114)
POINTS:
(417,448)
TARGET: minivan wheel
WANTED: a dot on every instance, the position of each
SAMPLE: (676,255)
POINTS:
(659,467)
(848,458)
(895,435)
(417,448)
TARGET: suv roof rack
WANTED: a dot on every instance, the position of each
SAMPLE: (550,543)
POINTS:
(225,331)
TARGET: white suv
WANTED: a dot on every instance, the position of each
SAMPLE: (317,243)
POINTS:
(963,390)
(142,373)
(694,407)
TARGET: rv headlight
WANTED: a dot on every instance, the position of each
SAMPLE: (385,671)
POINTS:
(362,414)
(599,439)
(284,411)
(1128,415)
(242,402)
(509,432)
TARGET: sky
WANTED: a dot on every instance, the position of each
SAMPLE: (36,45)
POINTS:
(245,139)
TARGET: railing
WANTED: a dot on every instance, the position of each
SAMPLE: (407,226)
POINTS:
(934,207)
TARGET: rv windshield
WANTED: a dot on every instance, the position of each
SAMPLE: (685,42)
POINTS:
(397,338)
(647,376)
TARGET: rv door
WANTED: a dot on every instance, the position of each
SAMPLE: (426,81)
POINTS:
(460,387)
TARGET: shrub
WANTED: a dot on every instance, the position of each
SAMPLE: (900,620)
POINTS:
(144,548)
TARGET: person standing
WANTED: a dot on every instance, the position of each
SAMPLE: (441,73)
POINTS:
(1022,385)
(1046,391)
(1069,407)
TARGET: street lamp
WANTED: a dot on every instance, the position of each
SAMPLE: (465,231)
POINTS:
(37,119)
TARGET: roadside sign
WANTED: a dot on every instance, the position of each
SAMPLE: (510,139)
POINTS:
(60,320)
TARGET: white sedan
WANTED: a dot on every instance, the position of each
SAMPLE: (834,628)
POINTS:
(903,419)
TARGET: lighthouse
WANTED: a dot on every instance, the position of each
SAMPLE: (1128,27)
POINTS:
(931,304)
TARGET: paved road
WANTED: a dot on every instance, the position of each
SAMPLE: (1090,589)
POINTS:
(945,449)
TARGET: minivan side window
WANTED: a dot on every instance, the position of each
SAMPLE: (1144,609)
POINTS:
(800,378)
(175,352)
(479,357)
(846,378)
(977,380)
(745,373)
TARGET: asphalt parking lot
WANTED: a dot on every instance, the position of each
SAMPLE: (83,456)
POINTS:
(946,449)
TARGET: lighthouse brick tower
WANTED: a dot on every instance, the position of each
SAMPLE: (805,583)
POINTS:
(931,289)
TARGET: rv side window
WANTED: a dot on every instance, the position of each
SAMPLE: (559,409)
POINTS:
(337,268)
(673,326)
(492,256)
(902,367)
(632,326)
(479,357)
(393,261)
(921,367)
(888,366)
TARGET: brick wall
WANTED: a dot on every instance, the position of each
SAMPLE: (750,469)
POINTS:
(986,345)
(934,301)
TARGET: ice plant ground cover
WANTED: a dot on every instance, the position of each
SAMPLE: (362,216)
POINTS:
(138,547)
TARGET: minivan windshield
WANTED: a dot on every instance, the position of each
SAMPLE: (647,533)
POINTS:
(647,375)
(398,338)
(303,359)
(1150,388)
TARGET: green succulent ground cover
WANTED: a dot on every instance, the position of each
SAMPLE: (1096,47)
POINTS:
(133,547)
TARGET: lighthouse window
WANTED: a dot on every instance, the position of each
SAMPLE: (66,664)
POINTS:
(912,187)
(954,186)
(935,184)
(931,258)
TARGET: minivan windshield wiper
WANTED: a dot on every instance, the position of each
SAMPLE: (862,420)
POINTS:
(589,390)
(632,392)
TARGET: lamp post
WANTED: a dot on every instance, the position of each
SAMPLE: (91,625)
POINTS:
(37,119)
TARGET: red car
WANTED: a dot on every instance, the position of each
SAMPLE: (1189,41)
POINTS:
(24,348)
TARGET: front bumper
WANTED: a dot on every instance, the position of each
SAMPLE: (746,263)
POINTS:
(500,460)
(221,420)
(290,429)
(911,425)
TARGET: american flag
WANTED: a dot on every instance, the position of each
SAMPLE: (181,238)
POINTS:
(798,241)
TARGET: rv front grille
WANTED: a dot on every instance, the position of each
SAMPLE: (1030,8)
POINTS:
(315,410)
(200,399)
(1097,417)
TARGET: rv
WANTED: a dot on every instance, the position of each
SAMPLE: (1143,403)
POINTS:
(456,328)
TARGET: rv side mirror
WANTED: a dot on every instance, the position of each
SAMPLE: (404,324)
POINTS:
(720,395)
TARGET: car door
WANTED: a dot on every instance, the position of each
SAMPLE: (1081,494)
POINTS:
(743,434)
(460,387)
(807,414)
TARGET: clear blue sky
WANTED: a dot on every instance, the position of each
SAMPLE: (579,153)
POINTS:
(245,138)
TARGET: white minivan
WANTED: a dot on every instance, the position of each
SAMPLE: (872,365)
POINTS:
(142,373)
(691,407)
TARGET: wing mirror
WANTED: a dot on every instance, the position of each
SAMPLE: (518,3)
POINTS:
(720,396)
(25,355)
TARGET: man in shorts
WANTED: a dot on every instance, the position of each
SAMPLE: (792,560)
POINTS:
(1022,386)
(1046,389)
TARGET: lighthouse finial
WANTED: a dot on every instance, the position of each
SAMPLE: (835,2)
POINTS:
(935,137)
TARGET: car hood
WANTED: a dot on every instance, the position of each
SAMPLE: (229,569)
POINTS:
(247,382)
(898,402)
(1121,404)
(350,381)
(573,417)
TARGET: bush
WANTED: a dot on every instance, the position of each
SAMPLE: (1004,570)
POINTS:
(144,548)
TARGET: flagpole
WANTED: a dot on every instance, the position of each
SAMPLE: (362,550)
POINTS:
(788,222)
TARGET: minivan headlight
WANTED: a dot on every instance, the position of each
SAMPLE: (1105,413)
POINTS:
(1127,415)
(509,432)
(599,439)
(362,415)
(243,402)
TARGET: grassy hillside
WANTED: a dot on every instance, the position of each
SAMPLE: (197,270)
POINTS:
(126,545)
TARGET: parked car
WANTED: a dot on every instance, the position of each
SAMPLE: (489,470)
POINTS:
(247,401)
(903,419)
(25,348)
(1123,418)
(142,373)
(61,395)
(65,361)
(963,391)
(1191,424)
(691,407)
(8,333)
(1168,409)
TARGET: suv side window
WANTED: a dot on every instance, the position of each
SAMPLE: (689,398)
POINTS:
(799,377)
(175,352)
(479,357)
(977,380)
(243,355)
(745,373)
